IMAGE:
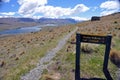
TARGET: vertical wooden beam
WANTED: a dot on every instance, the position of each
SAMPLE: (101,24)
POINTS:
(93,39)
(77,67)
(106,58)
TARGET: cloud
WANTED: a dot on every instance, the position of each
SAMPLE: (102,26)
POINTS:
(109,7)
(39,2)
(108,12)
(95,8)
(51,11)
(32,7)
(79,18)
(8,13)
(27,7)
(80,8)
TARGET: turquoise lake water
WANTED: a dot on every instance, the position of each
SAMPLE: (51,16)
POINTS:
(21,30)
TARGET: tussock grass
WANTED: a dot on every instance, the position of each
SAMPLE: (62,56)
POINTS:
(32,47)
(91,64)
(87,48)
(115,57)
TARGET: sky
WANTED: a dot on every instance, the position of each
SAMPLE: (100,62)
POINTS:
(76,9)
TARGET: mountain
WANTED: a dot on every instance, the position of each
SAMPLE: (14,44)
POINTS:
(26,19)
(40,21)
(11,22)
(56,21)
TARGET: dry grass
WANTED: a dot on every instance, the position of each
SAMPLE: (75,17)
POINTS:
(20,53)
(53,76)
(91,64)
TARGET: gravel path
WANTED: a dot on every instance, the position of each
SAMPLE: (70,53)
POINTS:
(35,74)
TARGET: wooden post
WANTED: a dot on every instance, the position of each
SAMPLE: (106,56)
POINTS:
(77,69)
(96,39)
(106,58)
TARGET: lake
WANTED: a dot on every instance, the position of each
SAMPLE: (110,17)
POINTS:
(21,30)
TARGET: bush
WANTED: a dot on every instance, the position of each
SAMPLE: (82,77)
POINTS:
(115,22)
(115,57)
(87,48)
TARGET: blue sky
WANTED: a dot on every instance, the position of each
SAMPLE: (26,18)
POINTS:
(76,9)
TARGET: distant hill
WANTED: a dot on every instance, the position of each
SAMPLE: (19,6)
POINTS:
(26,19)
(56,21)
(11,22)
(40,21)
(11,19)
(108,24)
(113,16)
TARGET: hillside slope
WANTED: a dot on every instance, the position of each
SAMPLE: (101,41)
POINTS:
(63,66)
(21,53)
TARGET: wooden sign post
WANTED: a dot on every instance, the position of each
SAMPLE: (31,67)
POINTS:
(106,40)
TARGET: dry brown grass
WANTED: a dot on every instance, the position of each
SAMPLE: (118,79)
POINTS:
(91,64)
(107,25)
(20,53)
(54,76)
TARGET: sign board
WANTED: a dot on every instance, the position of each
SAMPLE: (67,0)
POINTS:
(97,39)
(93,39)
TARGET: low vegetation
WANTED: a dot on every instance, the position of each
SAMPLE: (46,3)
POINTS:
(20,53)
(92,56)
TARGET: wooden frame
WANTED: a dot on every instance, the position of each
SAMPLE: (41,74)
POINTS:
(97,39)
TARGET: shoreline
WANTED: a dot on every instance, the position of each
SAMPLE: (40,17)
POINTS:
(42,28)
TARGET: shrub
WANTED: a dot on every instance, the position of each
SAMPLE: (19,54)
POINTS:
(115,57)
(87,48)
(54,76)
(2,63)
(115,22)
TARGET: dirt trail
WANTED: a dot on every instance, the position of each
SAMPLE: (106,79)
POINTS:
(35,74)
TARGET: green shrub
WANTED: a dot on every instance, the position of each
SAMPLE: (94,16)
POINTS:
(87,48)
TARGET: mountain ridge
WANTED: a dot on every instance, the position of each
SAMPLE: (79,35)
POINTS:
(40,20)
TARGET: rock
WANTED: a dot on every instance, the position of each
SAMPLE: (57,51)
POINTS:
(2,63)
(69,46)
(67,50)
(95,18)
(22,53)
(28,41)
(58,62)
(17,58)
(73,70)
(13,56)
